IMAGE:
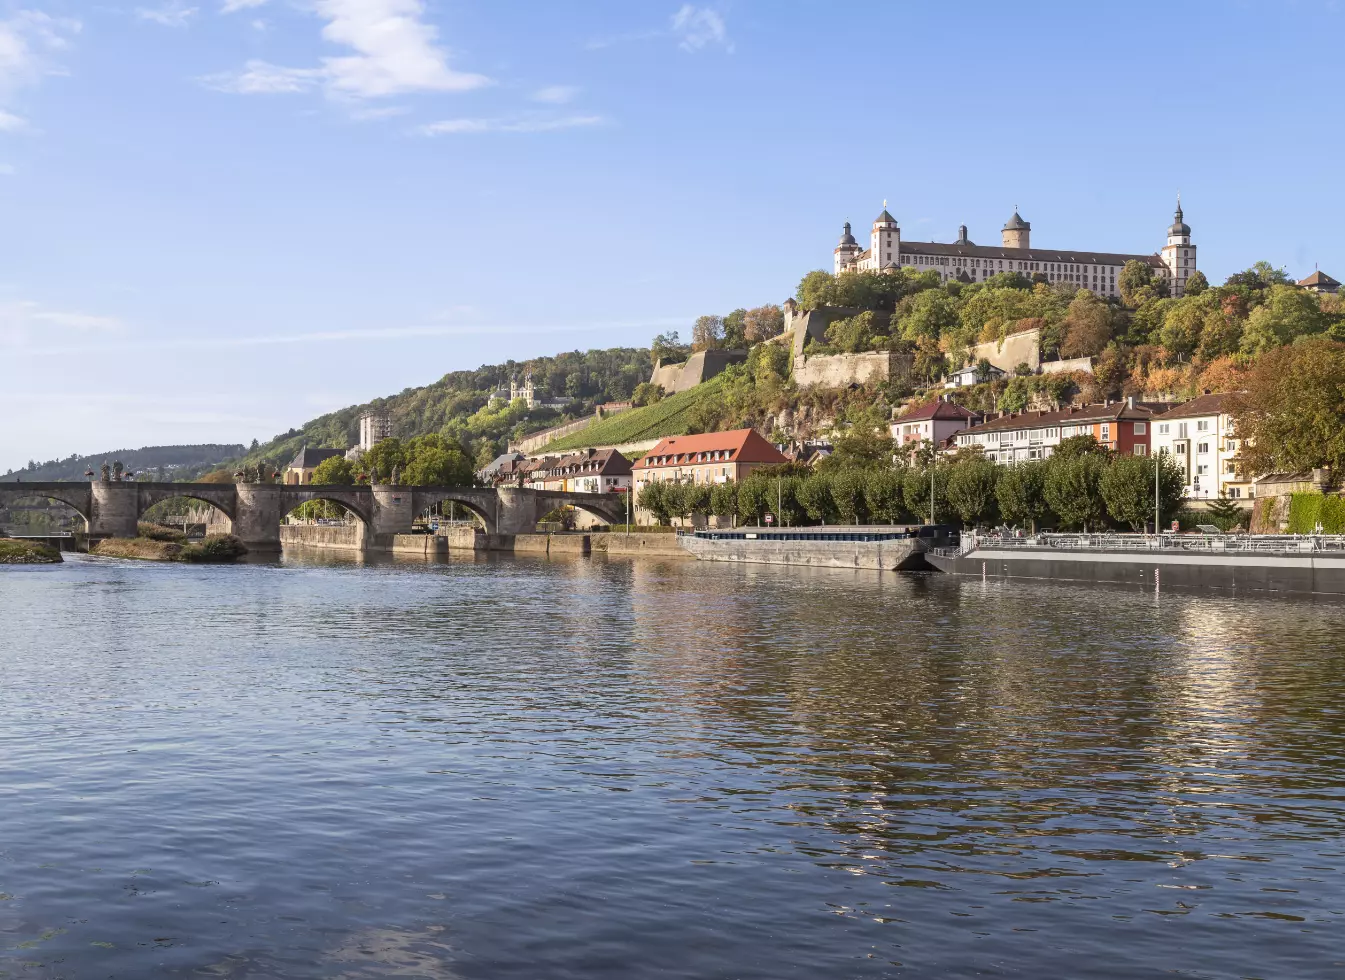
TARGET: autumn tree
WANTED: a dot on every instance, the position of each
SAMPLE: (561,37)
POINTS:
(1196,283)
(1292,416)
(707,333)
(1287,312)
(1088,326)
(763,323)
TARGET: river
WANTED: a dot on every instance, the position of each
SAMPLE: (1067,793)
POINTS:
(618,769)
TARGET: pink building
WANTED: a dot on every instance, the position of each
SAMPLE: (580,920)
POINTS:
(934,422)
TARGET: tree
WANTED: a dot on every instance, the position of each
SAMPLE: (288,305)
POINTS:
(724,499)
(814,494)
(436,466)
(855,334)
(1087,326)
(927,315)
(385,456)
(668,348)
(756,498)
(866,442)
(847,491)
(1288,313)
(1196,283)
(814,290)
(574,385)
(915,493)
(647,393)
(883,495)
(1135,282)
(707,333)
(336,471)
(735,329)
(1072,446)
(763,323)
(1128,489)
(1183,326)
(1224,513)
(971,490)
(1220,335)
(1074,489)
(1021,493)
(1292,416)
(654,498)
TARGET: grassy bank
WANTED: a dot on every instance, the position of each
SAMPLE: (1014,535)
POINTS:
(216,550)
(27,553)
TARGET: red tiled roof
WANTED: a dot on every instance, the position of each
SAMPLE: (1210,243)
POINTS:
(936,410)
(742,446)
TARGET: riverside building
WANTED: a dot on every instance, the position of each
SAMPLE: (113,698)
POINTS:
(1122,427)
(969,262)
(1199,435)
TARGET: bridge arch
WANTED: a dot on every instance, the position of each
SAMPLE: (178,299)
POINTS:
(479,502)
(222,498)
(359,504)
(609,507)
(73,496)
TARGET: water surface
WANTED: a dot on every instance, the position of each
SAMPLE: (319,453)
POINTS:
(615,769)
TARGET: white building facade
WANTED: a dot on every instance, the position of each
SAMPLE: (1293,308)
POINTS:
(969,262)
(1200,436)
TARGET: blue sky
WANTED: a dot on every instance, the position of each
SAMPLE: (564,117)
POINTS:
(224,217)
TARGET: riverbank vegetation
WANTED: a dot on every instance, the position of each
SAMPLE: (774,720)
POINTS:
(217,549)
(1083,486)
(15,552)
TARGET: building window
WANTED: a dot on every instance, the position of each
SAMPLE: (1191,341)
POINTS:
(1202,447)
(1140,428)
(1163,429)
(1203,425)
(1140,450)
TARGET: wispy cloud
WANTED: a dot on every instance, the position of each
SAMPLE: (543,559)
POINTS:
(556,94)
(395,52)
(21,320)
(694,28)
(29,43)
(174,13)
(374,113)
(700,27)
(233,6)
(526,123)
(347,336)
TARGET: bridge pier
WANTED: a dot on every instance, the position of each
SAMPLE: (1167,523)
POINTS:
(516,511)
(114,510)
(394,510)
(258,515)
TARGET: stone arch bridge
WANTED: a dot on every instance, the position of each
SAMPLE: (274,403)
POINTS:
(112,509)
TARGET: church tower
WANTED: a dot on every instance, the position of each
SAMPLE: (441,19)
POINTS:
(1179,255)
(884,242)
(1017,233)
(846,252)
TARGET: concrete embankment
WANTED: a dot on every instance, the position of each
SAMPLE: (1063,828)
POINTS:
(1306,574)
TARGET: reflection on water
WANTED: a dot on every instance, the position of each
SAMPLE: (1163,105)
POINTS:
(576,769)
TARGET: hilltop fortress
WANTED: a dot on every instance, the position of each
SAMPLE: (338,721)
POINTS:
(969,262)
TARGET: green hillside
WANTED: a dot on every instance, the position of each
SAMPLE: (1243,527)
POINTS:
(674,416)
(176,463)
(457,406)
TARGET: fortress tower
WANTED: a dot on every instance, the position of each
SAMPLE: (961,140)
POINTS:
(1017,232)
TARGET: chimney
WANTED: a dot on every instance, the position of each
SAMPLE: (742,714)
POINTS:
(1130,401)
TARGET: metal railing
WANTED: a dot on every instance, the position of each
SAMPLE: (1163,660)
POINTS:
(1279,544)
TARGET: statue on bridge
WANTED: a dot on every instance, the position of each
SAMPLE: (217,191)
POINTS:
(107,473)
(396,474)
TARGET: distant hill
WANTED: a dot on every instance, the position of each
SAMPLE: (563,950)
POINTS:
(675,415)
(457,406)
(175,463)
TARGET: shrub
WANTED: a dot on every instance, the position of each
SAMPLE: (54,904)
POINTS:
(157,532)
(220,548)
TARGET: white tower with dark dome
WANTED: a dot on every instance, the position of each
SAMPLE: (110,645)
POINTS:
(847,252)
(1179,255)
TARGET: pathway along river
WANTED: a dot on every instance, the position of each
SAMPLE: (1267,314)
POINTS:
(617,769)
